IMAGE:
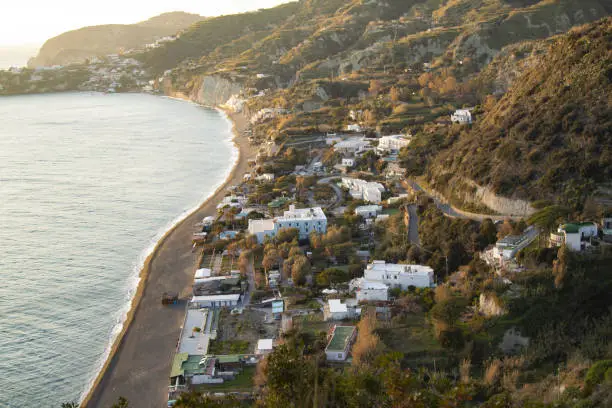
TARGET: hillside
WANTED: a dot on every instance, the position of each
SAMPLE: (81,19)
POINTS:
(77,45)
(550,136)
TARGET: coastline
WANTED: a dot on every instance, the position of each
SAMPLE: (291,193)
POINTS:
(110,382)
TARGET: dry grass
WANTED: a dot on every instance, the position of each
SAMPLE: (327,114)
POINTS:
(493,372)
(464,370)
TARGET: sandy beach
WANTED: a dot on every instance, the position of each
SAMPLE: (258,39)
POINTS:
(139,364)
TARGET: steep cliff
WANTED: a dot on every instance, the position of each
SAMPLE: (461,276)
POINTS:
(209,90)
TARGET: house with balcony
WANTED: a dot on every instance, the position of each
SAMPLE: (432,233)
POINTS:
(574,235)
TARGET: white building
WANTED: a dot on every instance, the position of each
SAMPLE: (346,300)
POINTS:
(462,116)
(215,301)
(574,235)
(368,291)
(202,273)
(368,211)
(399,276)
(354,128)
(232,201)
(348,162)
(392,143)
(264,346)
(330,140)
(261,229)
(363,190)
(510,245)
(336,310)
(265,177)
(394,171)
(305,220)
(340,341)
(351,146)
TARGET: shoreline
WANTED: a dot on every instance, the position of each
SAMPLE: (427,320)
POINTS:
(97,395)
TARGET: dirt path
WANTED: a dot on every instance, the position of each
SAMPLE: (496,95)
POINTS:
(139,367)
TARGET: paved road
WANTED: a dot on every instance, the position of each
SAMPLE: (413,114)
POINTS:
(337,190)
(413,227)
(454,212)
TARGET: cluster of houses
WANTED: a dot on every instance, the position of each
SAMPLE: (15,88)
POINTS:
(364,190)
(374,286)
(576,236)
(267,114)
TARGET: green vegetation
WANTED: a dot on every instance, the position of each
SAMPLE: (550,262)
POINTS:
(551,127)
(99,41)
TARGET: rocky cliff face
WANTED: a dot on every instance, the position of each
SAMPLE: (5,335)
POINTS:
(490,305)
(209,90)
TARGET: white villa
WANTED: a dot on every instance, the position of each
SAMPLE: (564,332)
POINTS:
(265,177)
(351,146)
(306,220)
(400,276)
(261,229)
(368,211)
(368,291)
(347,162)
(573,235)
(462,116)
(354,128)
(392,143)
(364,190)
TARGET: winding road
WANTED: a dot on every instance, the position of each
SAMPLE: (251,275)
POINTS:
(455,212)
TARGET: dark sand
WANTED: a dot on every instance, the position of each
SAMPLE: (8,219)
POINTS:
(138,367)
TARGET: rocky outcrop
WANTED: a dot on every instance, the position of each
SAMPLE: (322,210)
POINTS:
(210,90)
(490,305)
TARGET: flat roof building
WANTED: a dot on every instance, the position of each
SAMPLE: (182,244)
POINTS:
(216,300)
(340,341)
(399,275)
(264,346)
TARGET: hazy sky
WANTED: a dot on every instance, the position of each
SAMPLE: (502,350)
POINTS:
(34,21)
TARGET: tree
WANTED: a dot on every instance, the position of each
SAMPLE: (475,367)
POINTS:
(375,87)
(270,259)
(560,266)
(331,275)
(505,229)
(287,235)
(488,231)
(395,94)
(289,378)
(448,311)
(366,345)
(300,269)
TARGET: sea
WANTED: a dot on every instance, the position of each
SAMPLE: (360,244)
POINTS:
(89,183)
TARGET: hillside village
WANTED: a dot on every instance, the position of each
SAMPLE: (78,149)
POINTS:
(416,228)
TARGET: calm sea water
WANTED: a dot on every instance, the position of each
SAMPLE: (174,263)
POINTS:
(88,184)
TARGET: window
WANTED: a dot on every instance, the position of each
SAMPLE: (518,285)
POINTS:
(340,356)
